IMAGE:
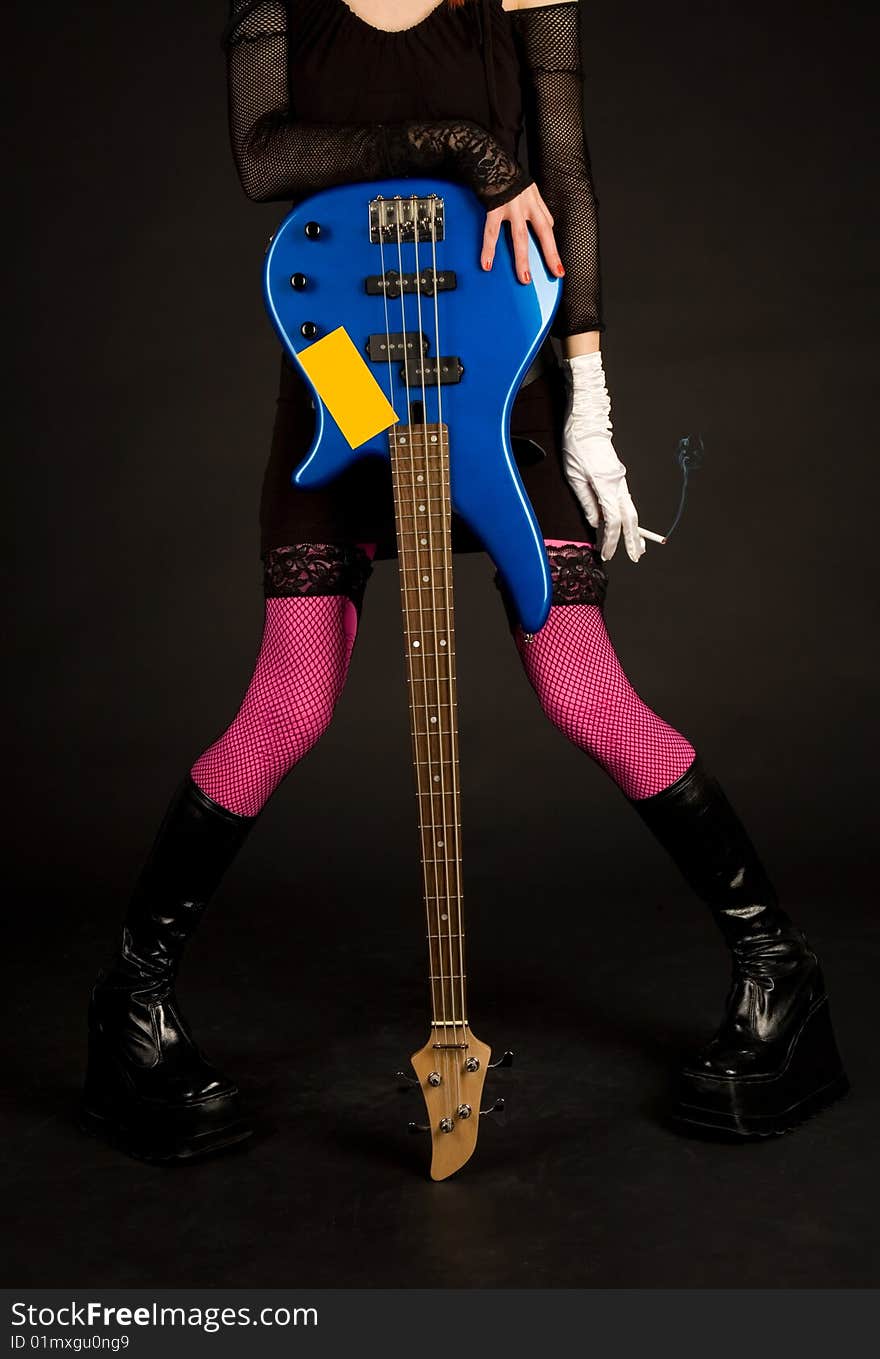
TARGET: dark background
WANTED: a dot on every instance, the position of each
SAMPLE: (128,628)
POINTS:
(731,151)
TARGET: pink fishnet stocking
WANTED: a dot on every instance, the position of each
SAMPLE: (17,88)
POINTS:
(298,678)
(573,668)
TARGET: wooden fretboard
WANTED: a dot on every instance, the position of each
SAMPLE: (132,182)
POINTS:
(420,472)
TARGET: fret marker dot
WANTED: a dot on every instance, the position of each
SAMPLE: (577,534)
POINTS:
(417,644)
(420,477)
(433,719)
(424,542)
(440,844)
(444,916)
(426,578)
(436,778)
(421,509)
(443,641)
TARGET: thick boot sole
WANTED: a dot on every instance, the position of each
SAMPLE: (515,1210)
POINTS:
(150,1130)
(761,1106)
(163,1145)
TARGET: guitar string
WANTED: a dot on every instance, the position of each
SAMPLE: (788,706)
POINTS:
(385,308)
(396,472)
(392,444)
(458,1055)
(410,649)
(456,808)
(451,708)
(444,530)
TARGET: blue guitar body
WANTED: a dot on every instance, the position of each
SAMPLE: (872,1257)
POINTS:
(332,262)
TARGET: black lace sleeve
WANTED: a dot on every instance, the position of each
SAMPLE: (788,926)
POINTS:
(279,157)
(550,42)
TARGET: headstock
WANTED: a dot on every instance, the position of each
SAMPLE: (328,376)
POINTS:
(451,1070)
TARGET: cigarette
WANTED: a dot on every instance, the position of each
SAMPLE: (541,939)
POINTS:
(652,537)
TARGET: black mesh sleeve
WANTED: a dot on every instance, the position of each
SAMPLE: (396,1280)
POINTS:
(280,157)
(550,40)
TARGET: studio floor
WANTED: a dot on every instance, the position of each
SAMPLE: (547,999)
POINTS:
(310,994)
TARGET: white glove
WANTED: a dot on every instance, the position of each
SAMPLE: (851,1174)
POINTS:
(593,469)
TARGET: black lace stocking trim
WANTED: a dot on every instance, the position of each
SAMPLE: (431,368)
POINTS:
(304,569)
(577,574)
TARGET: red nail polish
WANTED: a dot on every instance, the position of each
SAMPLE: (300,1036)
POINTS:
(527,278)
(560,269)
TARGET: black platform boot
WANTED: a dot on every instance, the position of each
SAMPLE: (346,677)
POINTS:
(148,1086)
(774,1061)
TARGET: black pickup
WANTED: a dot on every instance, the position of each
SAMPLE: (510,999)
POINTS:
(428,283)
(381,348)
(451,370)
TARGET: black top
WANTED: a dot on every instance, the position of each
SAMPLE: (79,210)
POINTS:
(343,70)
(317,96)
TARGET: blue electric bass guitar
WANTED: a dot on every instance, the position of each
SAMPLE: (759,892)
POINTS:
(414,353)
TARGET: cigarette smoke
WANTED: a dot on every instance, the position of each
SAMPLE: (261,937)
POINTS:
(689,456)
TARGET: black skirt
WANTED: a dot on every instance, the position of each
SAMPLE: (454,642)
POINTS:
(357,506)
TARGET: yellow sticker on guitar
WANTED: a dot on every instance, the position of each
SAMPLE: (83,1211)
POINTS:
(348,389)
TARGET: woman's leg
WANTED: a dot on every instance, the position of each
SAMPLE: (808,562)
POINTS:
(573,668)
(148,1085)
(313,596)
(774,1059)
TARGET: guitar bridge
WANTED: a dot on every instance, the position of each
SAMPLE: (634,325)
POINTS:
(402,219)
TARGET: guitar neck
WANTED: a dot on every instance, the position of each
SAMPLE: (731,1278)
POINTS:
(423,516)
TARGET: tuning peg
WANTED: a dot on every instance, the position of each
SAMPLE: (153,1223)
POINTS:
(505,1060)
(417,1127)
(496,1108)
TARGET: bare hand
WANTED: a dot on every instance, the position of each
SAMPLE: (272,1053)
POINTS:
(528,206)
